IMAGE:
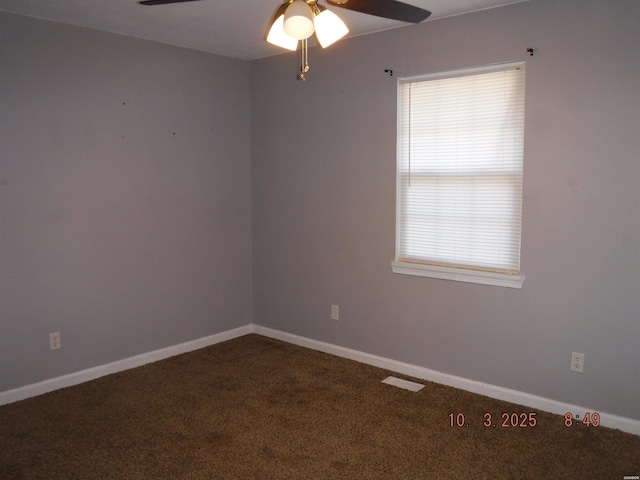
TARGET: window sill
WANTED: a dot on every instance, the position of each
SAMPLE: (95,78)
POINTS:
(459,274)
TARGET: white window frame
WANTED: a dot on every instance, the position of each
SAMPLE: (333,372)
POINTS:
(450,270)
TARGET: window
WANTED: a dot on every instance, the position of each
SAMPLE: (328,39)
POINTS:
(459,175)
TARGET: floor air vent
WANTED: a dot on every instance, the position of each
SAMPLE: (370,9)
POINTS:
(406,384)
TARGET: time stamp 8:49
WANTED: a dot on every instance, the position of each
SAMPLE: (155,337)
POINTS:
(523,420)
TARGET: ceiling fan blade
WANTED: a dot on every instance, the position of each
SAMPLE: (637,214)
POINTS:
(385,8)
(162,2)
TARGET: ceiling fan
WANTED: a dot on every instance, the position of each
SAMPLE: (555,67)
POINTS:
(297,20)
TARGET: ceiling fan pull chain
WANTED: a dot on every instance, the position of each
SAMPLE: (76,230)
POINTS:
(304,60)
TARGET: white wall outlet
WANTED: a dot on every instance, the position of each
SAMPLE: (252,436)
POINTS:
(335,312)
(54,341)
(577,362)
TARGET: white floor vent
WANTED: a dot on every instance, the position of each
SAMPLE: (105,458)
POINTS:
(406,384)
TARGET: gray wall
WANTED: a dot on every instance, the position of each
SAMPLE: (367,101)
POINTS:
(125,203)
(323,173)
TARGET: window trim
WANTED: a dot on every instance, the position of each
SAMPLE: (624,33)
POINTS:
(445,272)
(482,277)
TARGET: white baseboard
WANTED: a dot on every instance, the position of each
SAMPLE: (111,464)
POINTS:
(82,376)
(493,391)
(521,398)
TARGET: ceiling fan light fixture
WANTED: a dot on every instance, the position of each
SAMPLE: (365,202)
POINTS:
(329,28)
(277,36)
(298,20)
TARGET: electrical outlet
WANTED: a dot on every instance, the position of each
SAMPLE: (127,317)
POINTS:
(335,312)
(577,362)
(54,341)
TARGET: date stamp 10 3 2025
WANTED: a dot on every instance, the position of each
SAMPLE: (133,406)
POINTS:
(522,420)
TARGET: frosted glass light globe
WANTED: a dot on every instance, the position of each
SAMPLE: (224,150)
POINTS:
(298,20)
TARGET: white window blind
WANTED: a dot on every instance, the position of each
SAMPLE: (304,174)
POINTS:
(460,161)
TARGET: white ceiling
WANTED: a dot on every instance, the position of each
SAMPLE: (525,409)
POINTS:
(234,28)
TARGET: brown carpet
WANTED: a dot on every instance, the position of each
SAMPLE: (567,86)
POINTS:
(257,408)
